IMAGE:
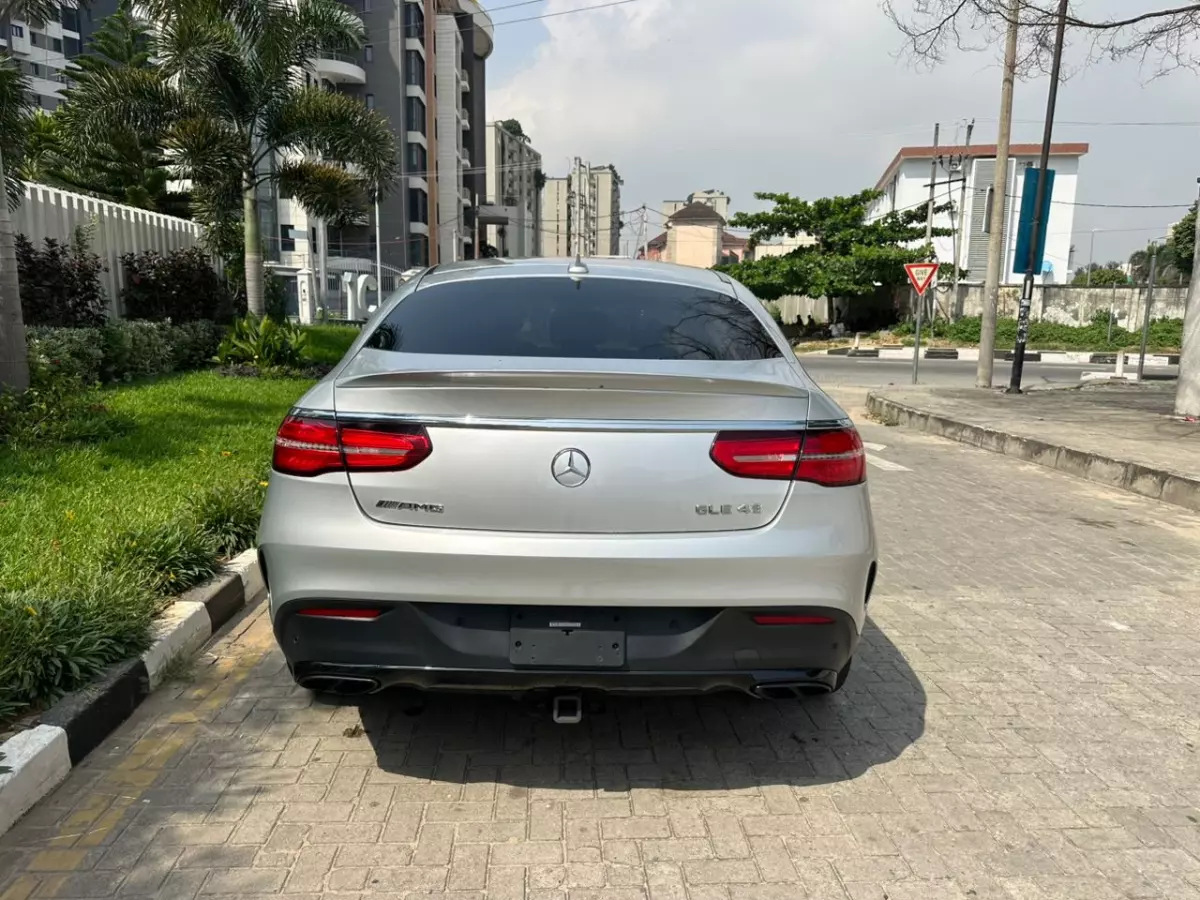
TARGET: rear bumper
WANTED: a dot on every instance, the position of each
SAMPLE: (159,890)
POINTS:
(316,543)
(471,647)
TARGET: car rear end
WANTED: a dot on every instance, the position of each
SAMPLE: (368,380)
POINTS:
(524,479)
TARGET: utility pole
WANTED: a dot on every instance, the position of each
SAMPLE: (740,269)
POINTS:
(1035,232)
(960,232)
(379,255)
(1091,258)
(1187,393)
(933,167)
(475,246)
(920,299)
(995,263)
(1146,317)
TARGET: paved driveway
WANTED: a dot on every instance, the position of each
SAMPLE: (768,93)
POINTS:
(1022,722)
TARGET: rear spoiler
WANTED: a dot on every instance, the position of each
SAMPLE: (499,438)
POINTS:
(572,380)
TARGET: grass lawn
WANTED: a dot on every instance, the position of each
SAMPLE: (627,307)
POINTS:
(60,503)
(327,344)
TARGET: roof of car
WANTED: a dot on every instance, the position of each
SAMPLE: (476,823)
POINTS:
(605,267)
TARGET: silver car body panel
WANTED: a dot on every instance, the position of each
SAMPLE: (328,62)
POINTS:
(508,533)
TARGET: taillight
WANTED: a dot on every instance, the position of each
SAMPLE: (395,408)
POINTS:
(377,448)
(306,446)
(833,458)
(309,445)
(757,455)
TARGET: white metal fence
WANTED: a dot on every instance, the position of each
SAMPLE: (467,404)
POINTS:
(47,212)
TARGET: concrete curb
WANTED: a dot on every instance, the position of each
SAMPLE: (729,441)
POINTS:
(1158,484)
(40,758)
(1047,357)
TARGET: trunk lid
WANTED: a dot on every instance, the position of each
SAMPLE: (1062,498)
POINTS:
(570,446)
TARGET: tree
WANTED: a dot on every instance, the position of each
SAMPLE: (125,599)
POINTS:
(1166,270)
(236,115)
(1102,276)
(851,257)
(513,127)
(1166,36)
(15,106)
(126,166)
(1182,241)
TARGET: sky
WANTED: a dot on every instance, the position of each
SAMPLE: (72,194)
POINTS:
(813,98)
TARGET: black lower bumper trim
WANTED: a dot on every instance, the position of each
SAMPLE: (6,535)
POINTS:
(488,647)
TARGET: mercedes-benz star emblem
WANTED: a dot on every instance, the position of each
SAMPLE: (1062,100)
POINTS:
(571,467)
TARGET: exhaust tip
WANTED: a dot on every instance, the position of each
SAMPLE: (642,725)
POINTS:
(342,685)
(792,690)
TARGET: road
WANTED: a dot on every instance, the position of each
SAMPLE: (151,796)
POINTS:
(839,370)
(1022,721)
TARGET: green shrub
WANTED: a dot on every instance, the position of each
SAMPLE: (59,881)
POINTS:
(58,411)
(58,639)
(168,558)
(229,515)
(60,283)
(1165,334)
(193,344)
(274,298)
(70,352)
(180,286)
(264,344)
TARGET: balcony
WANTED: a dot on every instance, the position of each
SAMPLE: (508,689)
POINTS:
(339,68)
(464,83)
(463,118)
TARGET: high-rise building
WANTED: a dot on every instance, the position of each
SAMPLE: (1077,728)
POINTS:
(42,51)
(422,66)
(581,212)
(513,171)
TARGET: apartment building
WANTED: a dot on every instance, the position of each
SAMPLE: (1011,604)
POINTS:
(422,66)
(42,51)
(581,212)
(513,172)
(968,213)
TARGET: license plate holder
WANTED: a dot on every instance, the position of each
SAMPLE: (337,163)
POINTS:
(560,648)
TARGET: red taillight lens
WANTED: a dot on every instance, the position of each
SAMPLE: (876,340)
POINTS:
(792,620)
(832,458)
(757,455)
(371,448)
(333,613)
(312,445)
(306,446)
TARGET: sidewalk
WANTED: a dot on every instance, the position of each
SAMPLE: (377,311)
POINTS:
(1121,436)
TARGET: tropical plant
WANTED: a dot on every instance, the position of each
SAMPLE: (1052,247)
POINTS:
(850,257)
(263,344)
(230,98)
(123,164)
(181,286)
(15,105)
(60,282)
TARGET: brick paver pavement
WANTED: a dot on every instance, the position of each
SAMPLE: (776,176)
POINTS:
(1022,722)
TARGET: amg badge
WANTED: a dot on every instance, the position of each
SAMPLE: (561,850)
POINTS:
(411,507)
(728,509)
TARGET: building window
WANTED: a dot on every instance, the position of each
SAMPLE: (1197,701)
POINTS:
(35,39)
(71,47)
(988,204)
(414,21)
(56,45)
(369,53)
(420,251)
(287,243)
(370,101)
(69,18)
(415,113)
(414,68)
(418,159)
(17,30)
(418,206)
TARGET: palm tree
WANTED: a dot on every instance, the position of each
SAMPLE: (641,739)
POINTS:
(230,97)
(15,105)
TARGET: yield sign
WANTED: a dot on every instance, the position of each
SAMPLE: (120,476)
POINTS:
(921,275)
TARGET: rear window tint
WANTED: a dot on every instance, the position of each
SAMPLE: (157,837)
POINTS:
(595,318)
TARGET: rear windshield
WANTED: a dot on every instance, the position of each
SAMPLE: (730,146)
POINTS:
(595,318)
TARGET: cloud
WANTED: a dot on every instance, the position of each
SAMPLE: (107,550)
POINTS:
(809,96)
